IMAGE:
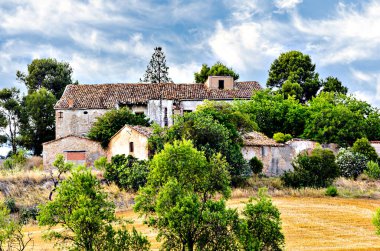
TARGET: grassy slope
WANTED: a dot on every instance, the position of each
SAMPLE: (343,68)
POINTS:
(308,223)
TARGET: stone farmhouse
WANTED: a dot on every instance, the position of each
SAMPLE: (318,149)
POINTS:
(80,105)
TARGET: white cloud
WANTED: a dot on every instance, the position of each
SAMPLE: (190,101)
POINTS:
(286,4)
(246,46)
(351,35)
(370,86)
(183,73)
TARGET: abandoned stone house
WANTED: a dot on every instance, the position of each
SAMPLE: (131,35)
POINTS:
(80,105)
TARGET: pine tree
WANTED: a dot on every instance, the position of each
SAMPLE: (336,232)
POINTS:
(157,71)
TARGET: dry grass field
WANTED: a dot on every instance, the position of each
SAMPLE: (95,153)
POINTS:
(308,223)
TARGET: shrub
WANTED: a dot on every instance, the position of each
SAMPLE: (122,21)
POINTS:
(10,204)
(101,163)
(351,164)
(331,191)
(128,172)
(279,137)
(315,170)
(256,165)
(372,170)
(15,160)
(28,213)
(363,147)
(260,229)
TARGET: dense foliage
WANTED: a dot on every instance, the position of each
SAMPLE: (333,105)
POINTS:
(260,228)
(295,67)
(279,137)
(372,170)
(351,164)
(128,172)
(157,71)
(256,166)
(274,113)
(111,122)
(218,69)
(81,208)
(317,169)
(47,73)
(363,146)
(38,120)
(332,84)
(183,212)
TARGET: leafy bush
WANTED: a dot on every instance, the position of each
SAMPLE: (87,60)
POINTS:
(127,172)
(28,213)
(111,122)
(279,137)
(372,170)
(260,229)
(10,204)
(101,163)
(15,160)
(351,164)
(256,165)
(315,170)
(363,147)
(331,191)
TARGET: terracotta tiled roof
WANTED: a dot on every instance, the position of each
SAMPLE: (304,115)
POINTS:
(146,131)
(258,139)
(106,96)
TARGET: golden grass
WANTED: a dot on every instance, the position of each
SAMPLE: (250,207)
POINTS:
(308,223)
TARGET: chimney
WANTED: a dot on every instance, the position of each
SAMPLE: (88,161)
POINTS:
(220,82)
(70,101)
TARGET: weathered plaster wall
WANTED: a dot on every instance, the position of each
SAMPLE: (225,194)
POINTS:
(75,122)
(155,114)
(119,144)
(276,159)
(212,82)
(376,145)
(93,149)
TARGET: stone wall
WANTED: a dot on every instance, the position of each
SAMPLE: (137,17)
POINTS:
(120,144)
(75,122)
(69,145)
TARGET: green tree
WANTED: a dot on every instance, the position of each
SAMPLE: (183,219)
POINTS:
(292,89)
(111,122)
(186,214)
(47,73)
(296,68)
(317,169)
(332,84)
(11,234)
(10,112)
(279,137)
(212,137)
(218,69)
(157,71)
(260,229)
(37,120)
(363,146)
(127,172)
(337,118)
(274,113)
(62,168)
(82,210)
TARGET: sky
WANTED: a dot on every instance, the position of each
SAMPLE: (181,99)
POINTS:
(112,41)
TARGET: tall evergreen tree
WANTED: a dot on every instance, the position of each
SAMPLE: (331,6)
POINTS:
(157,71)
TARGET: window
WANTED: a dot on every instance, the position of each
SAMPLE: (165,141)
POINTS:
(60,115)
(75,155)
(221,84)
(85,112)
(166,121)
(131,147)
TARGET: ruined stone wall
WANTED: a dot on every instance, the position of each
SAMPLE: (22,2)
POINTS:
(154,111)
(91,149)
(75,122)
(120,144)
(276,159)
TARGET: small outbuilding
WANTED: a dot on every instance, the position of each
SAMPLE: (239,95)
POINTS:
(130,140)
(76,149)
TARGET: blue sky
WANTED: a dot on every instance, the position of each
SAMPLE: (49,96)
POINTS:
(112,41)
